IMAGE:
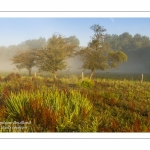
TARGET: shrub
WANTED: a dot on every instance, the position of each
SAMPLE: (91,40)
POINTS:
(86,83)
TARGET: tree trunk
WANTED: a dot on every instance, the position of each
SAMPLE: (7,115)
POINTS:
(29,71)
(92,73)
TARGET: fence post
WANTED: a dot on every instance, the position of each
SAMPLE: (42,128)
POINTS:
(142,78)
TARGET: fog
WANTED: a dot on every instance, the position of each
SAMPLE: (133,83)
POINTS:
(127,67)
(74,66)
(7,66)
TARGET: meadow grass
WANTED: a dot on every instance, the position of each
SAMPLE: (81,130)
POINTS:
(73,104)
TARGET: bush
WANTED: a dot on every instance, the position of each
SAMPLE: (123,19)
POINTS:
(86,83)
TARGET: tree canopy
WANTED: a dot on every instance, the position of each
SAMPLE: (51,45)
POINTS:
(53,57)
(98,55)
(25,59)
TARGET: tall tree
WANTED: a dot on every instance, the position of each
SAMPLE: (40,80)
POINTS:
(53,58)
(98,54)
(25,59)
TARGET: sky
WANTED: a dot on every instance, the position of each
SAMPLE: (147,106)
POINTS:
(13,31)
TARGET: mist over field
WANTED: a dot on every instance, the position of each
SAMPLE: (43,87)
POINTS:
(7,66)
(74,65)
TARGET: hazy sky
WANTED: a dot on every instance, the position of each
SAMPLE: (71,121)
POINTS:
(13,31)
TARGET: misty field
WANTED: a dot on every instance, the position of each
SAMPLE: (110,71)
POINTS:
(108,103)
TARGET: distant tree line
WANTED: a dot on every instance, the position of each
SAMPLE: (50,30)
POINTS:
(136,47)
(8,52)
